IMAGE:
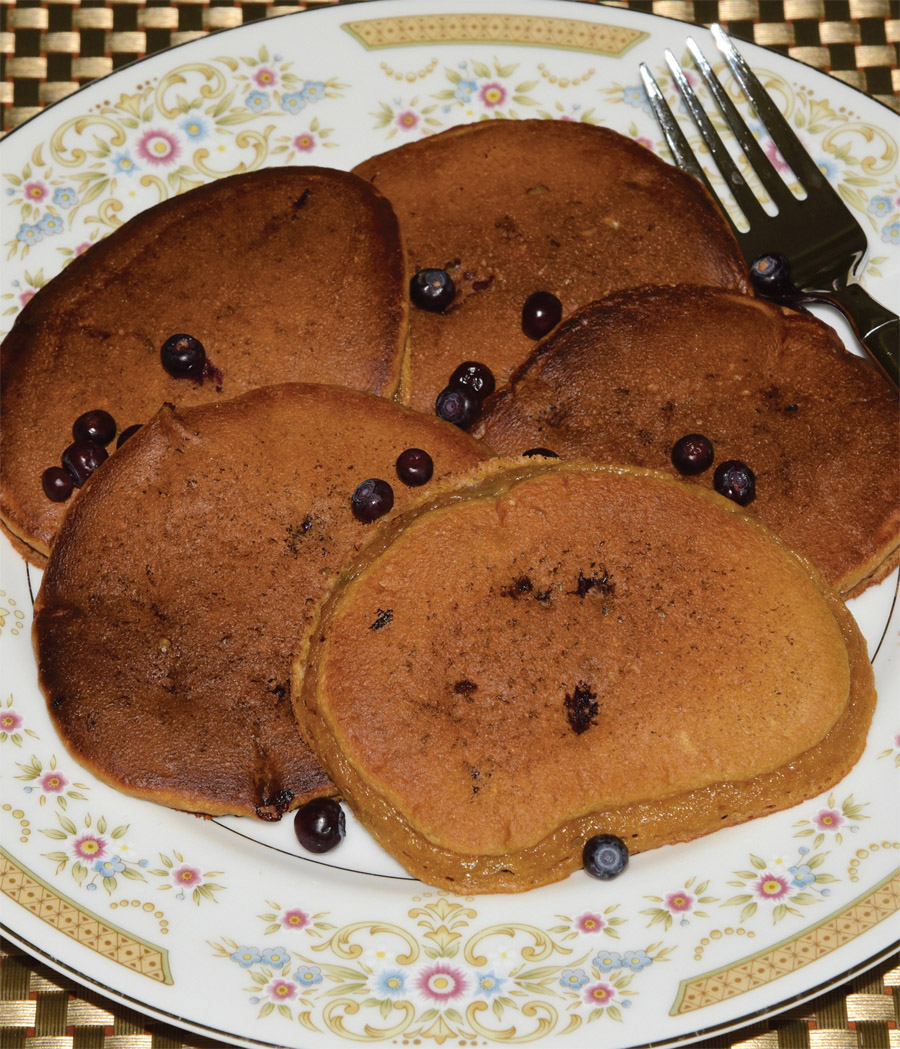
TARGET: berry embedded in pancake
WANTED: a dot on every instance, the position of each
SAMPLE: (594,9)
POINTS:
(576,650)
(279,275)
(185,576)
(626,379)
(512,208)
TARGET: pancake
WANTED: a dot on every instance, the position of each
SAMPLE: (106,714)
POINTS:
(187,571)
(576,649)
(309,284)
(511,207)
(623,379)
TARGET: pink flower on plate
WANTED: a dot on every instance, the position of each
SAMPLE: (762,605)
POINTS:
(828,819)
(679,902)
(89,847)
(187,877)
(306,142)
(441,982)
(777,160)
(9,719)
(492,95)
(407,120)
(772,886)
(83,247)
(54,782)
(599,994)
(589,922)
(295,919)
(26,296)
(281,990)
(158,147)
(35,191)
(265,77)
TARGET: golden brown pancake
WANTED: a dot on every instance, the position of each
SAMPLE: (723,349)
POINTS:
(511,207)
(623,379)
(188,570)
(289,274)
(576,649)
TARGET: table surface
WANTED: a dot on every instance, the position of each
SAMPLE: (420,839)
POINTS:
(50,48)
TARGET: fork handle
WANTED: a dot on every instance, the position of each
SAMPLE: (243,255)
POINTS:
(877,327)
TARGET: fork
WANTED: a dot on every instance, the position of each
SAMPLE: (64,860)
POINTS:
(813,249)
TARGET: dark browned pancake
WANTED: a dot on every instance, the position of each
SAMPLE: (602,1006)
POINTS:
(289,274)
(187,572)
(625,378)
(608,651)
(510,207)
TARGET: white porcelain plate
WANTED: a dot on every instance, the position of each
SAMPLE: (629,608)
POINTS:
(222,926)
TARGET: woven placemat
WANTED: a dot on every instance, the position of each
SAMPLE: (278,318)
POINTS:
(50,48)
(41,1010)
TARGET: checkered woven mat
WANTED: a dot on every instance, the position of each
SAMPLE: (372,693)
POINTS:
(50,48)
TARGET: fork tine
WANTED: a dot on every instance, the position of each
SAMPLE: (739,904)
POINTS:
(777,188)
(782,135)
(677,143)
(746,199)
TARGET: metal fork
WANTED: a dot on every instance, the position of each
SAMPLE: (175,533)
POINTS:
(813,250)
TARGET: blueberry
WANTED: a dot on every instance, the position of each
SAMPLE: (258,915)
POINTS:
(605,856)
(476,377)
(97,425)
(735,480)
(540,314)
(692,454)
(57,484)
(544,452)
(770,275)
(125,434)
(320,825)
(81,459)
(432,290)
(414,467)
(458,405)
(183,357)
(371,500)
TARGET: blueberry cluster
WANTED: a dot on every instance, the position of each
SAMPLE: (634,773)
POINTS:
(92,432)
(461,399)
(693,453)
(374,497)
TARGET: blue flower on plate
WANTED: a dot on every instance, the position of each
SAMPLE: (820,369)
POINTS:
(275,956)
(489,984)
(313,90)
(608,961)
(574,979)
(636,960)
(257,101)
(51,225)
(293,102)
(245,956)
(392,982)
(890,235)
(29,235)
(465,89)
(65,197)
(307,975)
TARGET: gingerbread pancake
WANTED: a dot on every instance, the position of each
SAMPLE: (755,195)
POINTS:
(608,651)
(289,274)
(187,572)
(623,379)
(511,207)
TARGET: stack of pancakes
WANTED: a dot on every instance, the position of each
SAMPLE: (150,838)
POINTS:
(211,576)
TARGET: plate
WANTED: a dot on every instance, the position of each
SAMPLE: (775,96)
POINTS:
(222,926)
